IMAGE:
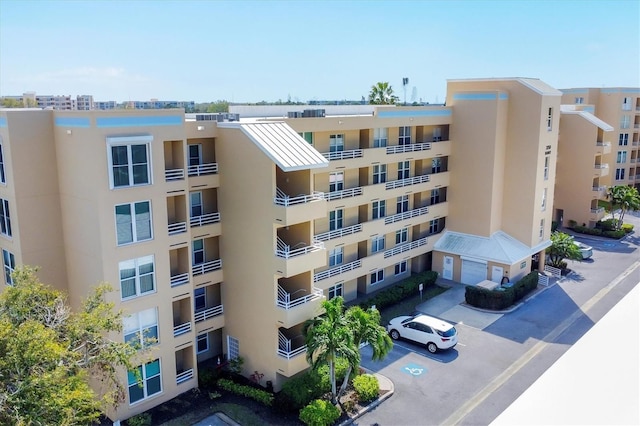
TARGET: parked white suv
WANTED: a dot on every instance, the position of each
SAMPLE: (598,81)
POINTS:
(434,333)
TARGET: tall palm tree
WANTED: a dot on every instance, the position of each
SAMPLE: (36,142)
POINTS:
(329,337)
(382,94)
(624,197)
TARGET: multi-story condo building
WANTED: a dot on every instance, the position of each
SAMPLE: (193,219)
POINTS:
(222,237)
(599,148)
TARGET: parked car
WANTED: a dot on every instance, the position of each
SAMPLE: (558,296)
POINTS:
(434,333)
(587,251)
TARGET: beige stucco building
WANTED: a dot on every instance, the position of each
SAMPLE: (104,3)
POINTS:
(223,236)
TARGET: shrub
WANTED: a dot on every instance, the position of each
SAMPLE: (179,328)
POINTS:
(607,225)
(341,365)
(402,290)
(300,391)
(367,387)
(319,413)
(207,377)
(617,234)
(627,228)
(142,419)
(572,223)
(259,395)
(501,298)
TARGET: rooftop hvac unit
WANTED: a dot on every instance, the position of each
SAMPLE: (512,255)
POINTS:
(313,113)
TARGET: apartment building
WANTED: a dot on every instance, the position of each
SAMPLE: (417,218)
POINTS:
(599,148)
(222,237)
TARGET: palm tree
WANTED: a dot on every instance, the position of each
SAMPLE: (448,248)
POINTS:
(562,247)
(382,94)
(329,337)
(624,197)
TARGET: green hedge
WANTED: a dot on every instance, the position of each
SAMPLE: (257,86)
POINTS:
(367,387)
(603,232)
(401,290)
(261,396)
(501,299)
(319,413)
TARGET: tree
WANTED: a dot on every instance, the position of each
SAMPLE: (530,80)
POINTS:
(562,247)
(625,198)
(382,94)
(49,353)
(329,337)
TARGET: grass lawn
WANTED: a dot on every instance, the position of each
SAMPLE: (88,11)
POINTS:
(408,306)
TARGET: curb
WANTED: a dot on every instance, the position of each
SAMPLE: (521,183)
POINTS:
(373,404)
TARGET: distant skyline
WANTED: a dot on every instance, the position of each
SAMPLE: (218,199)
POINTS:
(252,51)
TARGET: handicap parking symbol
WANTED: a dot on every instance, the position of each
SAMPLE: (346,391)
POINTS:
(414,369)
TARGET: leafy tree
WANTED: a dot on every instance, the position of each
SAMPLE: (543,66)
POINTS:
(562,247)
(218,106)
(382,94)
(329,337)
(625,198)
(49,353)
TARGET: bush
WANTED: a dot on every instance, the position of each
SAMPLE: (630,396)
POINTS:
(142,419)
(607,225)
(627,228)
(617,234)
(501,298)
(207,378)
(402,290)
(572,223)
(367,387)
(319,413)
(259,395)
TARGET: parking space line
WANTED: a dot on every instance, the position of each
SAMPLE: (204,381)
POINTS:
(426,355)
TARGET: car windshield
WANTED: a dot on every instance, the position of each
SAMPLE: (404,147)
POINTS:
(448,333)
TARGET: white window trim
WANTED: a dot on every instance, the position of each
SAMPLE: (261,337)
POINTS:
(8,268)
(134,233)
(377,274)
(206,339)
(144,383)
(3,170)
(398,268)
(6,218)
(140,328)
(336,179)
(377,242)
(136,264)
(338,288)
(129,140)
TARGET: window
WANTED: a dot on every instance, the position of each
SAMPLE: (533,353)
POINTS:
(434,226)
(547,159)
(620,174)
(195,154)
(402,236)
(579,100)
(141,328)
(549,119)
(377,276)
(401,268)
(402,204)
(336,143)
(436,165)
(437,134)
(335,291)
(336,181)
(5,219)
(198,252)
(336,256)
(133,222)
(234,347)
(623,139)
(9,266)
(2,176)
(129,162)
(435,196)
(624,121)
(403,170)
(307,136)
(202,343)
(541,233)
(137,277)
(380,137)
(622,157)
(195,201)
(150,381)
(544,199)
(404,135)
(335,219)
(377,243)
(199,299)
(378,209)
(626,104)
(379,173)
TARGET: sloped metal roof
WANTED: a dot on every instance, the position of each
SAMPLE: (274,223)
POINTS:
(499,247)
(570,109)
(281,144)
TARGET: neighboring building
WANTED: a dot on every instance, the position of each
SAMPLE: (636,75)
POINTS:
(223,236)
(599,148)
(86,103)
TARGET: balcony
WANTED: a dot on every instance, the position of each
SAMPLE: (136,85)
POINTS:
(208,313)
(600,191)
(293,260)
(182,317)
(403,248)
(302,208)
(338,270)
(606,147)
(202,169)
(173,175)
(173,160)
(406,215)
(345,193)
(177,228)
(184,376)
(204,219)
(291,352)
(297,306)
(407,182)
(205,267)
(596,214)
(184,365)
(602,169)
(180,279)
(338,233)
(343,155)
(398,149)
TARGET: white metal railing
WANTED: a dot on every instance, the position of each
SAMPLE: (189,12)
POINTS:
(286,251)
(179,279)
(599,188)
(204,219)
(342,155)
(205,314)
(284,298)
(203,169)
(406,215)
(173,174)
(184,376)
(282,199)
(602,166)
(336,271)
(405,247)
(203,268)
(406,182)
(284,347)
(181,329)
(543,280)
(598,210)
(553,271)
(397,149)
(345,193)
(177,228)
(337,233)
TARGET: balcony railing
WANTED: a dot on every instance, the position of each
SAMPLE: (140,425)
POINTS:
(597,210)
(599,188)
(345,193)
(285,347)
(184,376)
(203,268)
(337,233)
(337,270)
(405,247)
(286,251)
(181,329)
(342,155)
(205,219)
(173,174)
(601,166)
(397,149)
(406,215)
(203,169)
(282,199)
(208,313)
(177,228)
(406,182)
(179,279)
(284,298)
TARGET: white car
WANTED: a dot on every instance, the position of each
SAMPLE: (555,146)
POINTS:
(432,332)
(585,250)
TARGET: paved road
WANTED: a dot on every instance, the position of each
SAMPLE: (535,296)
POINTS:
(500,356)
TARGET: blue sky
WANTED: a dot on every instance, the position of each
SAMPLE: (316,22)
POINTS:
(249,51)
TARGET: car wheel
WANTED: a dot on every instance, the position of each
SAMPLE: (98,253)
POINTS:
(394,334)
(431,347)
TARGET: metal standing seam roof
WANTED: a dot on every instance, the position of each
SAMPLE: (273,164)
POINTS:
(567,109)
(499,247)
(282,144)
